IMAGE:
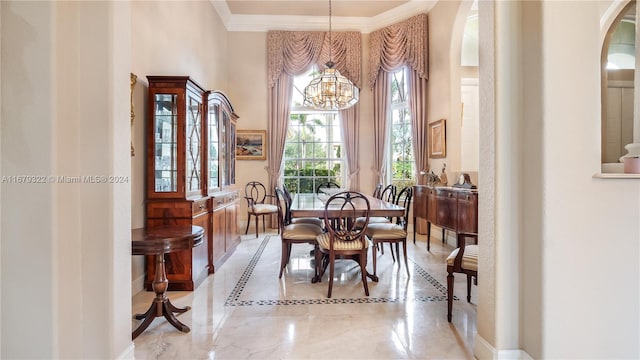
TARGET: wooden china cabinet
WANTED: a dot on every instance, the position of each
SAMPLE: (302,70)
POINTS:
(190,171)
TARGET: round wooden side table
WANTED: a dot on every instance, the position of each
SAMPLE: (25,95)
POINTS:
(159,241)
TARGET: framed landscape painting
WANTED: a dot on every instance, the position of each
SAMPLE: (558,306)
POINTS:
(437,139)
(251,144)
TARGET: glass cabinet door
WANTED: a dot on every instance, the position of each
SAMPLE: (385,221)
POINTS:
(232,154)
(214,146)
(166,143)
(194,145)
(225,148)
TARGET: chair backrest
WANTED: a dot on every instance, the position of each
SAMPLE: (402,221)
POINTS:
(255,192)
(404,199)
(389,193)
(283,208)
(340,213)
(377,192)
(326,185)
(287,196)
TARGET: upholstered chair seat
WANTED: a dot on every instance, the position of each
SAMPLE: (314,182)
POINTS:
(388,230)
(469,258)
(308,220)
(262,209)
(301,232)
(372,220)
(324,239)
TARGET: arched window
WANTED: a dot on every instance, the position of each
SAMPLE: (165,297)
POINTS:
(313,148)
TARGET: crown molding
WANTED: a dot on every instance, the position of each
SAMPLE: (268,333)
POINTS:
(264,23)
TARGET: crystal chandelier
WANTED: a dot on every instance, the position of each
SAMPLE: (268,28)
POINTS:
(330,90)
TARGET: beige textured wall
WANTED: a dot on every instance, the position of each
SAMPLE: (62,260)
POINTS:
(170,38)
(247,91)
(580,227)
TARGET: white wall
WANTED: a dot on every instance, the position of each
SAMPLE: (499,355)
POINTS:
(65,246)
(590,226)
(564,282)
(170,38)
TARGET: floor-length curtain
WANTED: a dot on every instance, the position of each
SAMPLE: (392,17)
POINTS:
(397,45)
(279,98)
(349,122)
(418,107)
(381,93)
(290,53)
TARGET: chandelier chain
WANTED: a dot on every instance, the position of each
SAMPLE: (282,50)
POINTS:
(330,41)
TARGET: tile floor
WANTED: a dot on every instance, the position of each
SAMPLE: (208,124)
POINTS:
(244,311)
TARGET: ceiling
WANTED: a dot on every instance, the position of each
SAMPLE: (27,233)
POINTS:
(312,15)
(357,8)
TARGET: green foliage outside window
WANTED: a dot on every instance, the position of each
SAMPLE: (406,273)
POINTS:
(312,153)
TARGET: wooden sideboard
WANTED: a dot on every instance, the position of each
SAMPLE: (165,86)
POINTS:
(450,208)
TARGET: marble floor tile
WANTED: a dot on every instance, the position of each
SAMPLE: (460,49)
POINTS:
(244,311)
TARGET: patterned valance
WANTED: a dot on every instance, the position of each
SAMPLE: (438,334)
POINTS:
(404,43)
(294,51)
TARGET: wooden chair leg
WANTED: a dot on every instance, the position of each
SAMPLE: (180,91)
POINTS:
(406,262)
(449,296)
(363,272)
(246,231)
(332,262)
(257,218)
(428,236)
(414,229)
(375,262)
(284,257)
(469,288)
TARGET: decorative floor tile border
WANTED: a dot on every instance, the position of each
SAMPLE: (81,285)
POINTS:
(234,297)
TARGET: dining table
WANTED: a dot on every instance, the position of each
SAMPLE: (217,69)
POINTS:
(313,205)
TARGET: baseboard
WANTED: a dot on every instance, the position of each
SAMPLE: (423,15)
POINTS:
(137,285)
(128,353)
(485,351)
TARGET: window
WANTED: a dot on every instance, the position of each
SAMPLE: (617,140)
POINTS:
(401,161)
(313,148)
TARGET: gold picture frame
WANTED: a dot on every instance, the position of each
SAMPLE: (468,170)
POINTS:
(251,144)
(437,139)
(134,78)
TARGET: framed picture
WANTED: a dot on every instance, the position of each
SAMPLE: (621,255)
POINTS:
(251,144)
(437,139)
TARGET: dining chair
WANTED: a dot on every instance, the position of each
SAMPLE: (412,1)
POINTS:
(302,233)
(258,204)
(392,233)
(377,191)
(298,220)
(463,259)
(326,185)
(343,240)
(387,194)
